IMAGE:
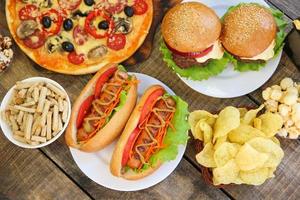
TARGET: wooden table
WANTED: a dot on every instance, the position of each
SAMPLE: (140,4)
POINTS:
(51,173)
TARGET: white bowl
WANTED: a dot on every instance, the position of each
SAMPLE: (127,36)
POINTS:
(6,129)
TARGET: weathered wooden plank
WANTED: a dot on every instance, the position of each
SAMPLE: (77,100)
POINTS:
(290,7)
(184,183)
(28,174)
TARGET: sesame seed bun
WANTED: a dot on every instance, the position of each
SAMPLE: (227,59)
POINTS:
(190,27)
(248,30)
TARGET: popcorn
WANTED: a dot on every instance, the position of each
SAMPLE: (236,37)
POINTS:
(6,53)
(284,100)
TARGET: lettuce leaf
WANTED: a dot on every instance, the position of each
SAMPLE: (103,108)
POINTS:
(280,36)
(123,97)
(176,137)
(212,68)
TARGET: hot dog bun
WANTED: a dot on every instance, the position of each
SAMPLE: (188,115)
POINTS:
(116,160)
(112,129)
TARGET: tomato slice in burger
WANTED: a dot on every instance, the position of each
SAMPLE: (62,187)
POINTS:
(116,41)
(36,40)
(79,35)
(69,4)
(83,110)
(75,58)
(198,54)
(140,7)
(28,12)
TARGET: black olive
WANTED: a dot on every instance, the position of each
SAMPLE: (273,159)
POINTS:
(79,13)
(128,11)
(46,21)
(103,25)
(89,2)
(67,46)
(68,24)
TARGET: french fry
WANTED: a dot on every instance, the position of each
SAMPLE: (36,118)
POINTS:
(28,126)
(44,131)
(19,133)
(19,138)
(22,93)
(21,108)
(13,122)
(55,118)
(49,125)
(38,139)
(22,85)
(35,94)
(42,98)
(45,112)
(65,111)
(26,104)
(60,104)
(56,90)
(20,117)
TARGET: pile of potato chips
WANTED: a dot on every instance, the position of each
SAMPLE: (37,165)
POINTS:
(239,146)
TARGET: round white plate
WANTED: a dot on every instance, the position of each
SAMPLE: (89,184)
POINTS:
(96,165)
(231,83)
(7,131)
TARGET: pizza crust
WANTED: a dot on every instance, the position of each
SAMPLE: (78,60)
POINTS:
(59,62)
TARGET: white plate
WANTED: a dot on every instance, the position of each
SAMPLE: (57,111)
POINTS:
(231,83)
(96,165)
(7,131)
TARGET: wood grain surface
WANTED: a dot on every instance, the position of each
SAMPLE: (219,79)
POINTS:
(51,173)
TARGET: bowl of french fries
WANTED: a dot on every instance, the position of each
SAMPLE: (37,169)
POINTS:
(35,112)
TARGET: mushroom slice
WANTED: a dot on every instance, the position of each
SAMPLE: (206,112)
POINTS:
(97,52)
(123,25)
(26,28)
(54,43)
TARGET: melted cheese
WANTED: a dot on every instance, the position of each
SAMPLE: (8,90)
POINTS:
(216,53)
(266,55)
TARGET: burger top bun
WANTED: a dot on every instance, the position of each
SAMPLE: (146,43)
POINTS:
(248,30)
(190,27)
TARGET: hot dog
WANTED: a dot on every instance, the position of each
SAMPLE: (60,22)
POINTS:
(102,109)
(157,120)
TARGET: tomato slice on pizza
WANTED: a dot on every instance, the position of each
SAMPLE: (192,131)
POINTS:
(79,36)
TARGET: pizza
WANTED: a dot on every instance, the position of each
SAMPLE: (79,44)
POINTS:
(79,36)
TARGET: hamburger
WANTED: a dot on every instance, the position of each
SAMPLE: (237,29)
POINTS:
(252,34)
(191,45)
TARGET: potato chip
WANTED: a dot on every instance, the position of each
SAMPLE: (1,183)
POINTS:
(220,141)
(250,115)
(271,172)
(243,111)
(196,116)
(267,146)
(270,123)
(275,140)
(225,152)
(249,158)
(207,132)
(206,156)
(229,119)
(255,177)
(257,123)
(229,173)
(197,132)
(244,133)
